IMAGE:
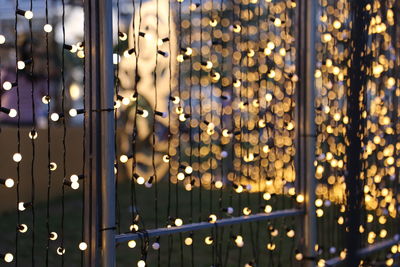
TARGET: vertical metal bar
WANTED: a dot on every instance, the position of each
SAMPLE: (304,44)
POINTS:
(305,156)
(357,76)
(99,226)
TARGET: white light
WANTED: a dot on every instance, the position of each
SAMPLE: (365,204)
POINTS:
(123,158)
(178,222)
(21,65)
(48,28)
(53,236)
(60,251)
(7,85)
(145,113)
(9,182)
(17,157)
(33,134)
(28,14)
(132,244)
(2,39)
(23,228)
(54,117)
(73,112)
(74,178)
(45,99)
(75,185)
(188,169)
(116,59)
(82,246)
(141,263)
(21,206)
(74,91)
(13,113)
(180,176)
(156,246)
(140,180)
(126,101)
(8,257)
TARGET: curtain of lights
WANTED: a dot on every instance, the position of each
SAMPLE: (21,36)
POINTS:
(205,127)
(379,175)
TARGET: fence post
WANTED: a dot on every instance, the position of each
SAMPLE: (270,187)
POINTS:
(305,143)
(99,191)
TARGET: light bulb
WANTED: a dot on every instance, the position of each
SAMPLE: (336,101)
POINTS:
(208,240)
(82,246)
(74,178)
(188,241)
(132,244)
(48,28)
(28,14)
(178,222)
(33,134)
(141,263)
(21,65)
(140,180)
(60,251)
(7,85)
(53,236)
(156,246)
(2,39)
(73,112)
(75,185)
(17,157)
(188,169)
(13,113)
(212,218)
(54,117)
(9,182)
(8,257)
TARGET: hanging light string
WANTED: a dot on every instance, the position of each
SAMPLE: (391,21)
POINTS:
(168,156)
(199,144)
(117,167)
(64,145)
(233,125)
(192,181)
(33,132)
(17,233)
(154,178)
(48,101)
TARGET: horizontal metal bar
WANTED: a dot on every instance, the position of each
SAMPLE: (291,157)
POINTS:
(362,253)
(204,225)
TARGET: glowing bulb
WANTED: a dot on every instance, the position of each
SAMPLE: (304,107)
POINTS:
(17,157)
(212,218)
(74,178)
(60,251)
(188,241)
(48,28)
(156,246)
(123,158)
(53,236)
(268,97)
(8,257)
(166,158)
(300,198)
(73,112)
(2,39)
(140,180)
(180,176)
(54,117)
(22,228)
(75,185)
(53,166)
(9,182)
(188,169)
(13,113)
(132,244)
(82,246)
(246,211)
(141,263)
(28,14)
(178,222)
(218,184)
(7,85)
(208,240)
(290,233)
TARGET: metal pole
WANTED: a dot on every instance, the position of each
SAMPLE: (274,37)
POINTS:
(99,226)
(355,129)
(206,225)
(305,144)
